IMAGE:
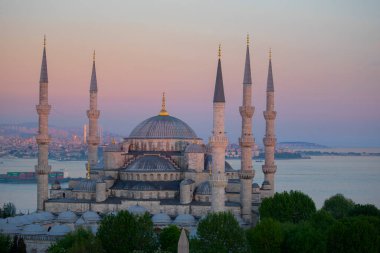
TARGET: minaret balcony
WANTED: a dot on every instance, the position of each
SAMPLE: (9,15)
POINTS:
(43,109)
(247,111)
(93,114)
(270,115)
(269,141)
(247,141)
(42,169)
(218,141)
(93,140)
(269,169)
(43,139)
(246,174)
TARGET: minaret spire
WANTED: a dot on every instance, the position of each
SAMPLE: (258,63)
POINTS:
(93,113)
(218,142)
(43,139)
(269,167)
(246,142)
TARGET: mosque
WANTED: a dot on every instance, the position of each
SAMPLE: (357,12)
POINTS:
(163,167)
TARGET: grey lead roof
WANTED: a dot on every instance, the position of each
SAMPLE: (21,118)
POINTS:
(94,83)
(163,127)
(247,69)
(219,89)
(44,73)
(270,86)
(151,163)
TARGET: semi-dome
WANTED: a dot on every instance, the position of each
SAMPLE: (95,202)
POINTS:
(86,185)
(163,127)
(151,163)
(203,188)
(90,217)
(59,230)
(34,229)
(67,217)
(195,148)
(184,220)
(161,219)
(9,228)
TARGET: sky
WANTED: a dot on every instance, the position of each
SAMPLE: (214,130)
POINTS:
(326,64)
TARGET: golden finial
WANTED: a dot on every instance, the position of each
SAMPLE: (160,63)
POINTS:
(113,141)
(163,111)
(44,40)
(88,171)
(93,56)
(247,40)
(220,51)
(270,53)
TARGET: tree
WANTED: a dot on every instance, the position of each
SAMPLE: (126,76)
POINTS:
(364,210)
(338,206)
(294,206)
(303,237)
(353,235)
(5,243)
(267,236)
(18,245)
(219,232)
(78,241)
(126,232)
(169,237)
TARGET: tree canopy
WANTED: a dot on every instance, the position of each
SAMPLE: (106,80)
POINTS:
(126,232)
(219,232)
(293,206)
(266,237)
(338,206)
(169,237)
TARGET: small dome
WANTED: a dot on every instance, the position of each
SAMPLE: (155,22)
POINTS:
(9,228)
(138,210)
(90,217)
(151,163)
(56,185)
(67,217)
(33,229)
(184,220)
(59,230)
(86,185)
(163,127)
(21,220)
(161,219)
(195,148)
(94,228)
(203,188)
(255,185)
(43,216)
(187,181)
(266,185)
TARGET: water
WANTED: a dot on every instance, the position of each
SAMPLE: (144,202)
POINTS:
(356,177)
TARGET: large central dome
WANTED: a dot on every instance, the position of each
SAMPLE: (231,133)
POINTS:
(163,127)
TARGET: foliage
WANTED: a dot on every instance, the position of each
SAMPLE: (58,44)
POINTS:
(267,236)
(169,237)
(365,210)
(79,241)
(5,243)
(126,232)
(338,206)
(294,206)
(353,235)
(303,237)
(18,245)
(8,210)
(219,232)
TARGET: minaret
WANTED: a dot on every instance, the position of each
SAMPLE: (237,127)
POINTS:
(43,139)
(93,115)
(218,142)
(246,142)
(269,167)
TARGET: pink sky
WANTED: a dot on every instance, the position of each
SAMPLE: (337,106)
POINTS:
(326,63)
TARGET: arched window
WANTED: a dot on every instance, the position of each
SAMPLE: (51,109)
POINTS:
(166,177)
(151,177)
(171,176)
(138,176)
(145,177)
(159,177)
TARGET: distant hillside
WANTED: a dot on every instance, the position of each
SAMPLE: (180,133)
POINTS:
(299,145)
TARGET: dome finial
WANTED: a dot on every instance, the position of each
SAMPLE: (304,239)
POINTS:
(220,51)
(44,40)
(88,171)
(247,39)
(93,56)
(163,111)
(270,53)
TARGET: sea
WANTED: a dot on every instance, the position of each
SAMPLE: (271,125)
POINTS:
(356,177)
